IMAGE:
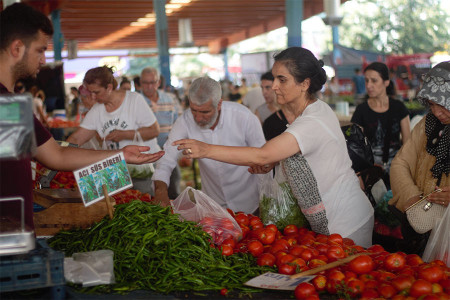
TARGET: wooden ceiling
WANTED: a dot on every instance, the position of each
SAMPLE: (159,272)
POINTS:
(215,23)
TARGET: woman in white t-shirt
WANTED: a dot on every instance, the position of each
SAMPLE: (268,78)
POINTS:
(117,117)
(312,152)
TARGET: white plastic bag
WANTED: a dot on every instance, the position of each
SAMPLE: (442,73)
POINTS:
(194,205)
(140,171)
(90,268)
(438,245)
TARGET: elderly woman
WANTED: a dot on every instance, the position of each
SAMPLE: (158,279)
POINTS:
(423,163)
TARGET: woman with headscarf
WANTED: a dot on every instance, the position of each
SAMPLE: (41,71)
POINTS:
(423,164)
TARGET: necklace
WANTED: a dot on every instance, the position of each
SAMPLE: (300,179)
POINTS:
(304,107)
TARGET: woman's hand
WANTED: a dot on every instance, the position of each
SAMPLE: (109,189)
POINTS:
(192,148)
(115,136)
(261,169)
(442,198)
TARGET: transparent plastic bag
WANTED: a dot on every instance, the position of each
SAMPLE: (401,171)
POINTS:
(194,205)
(438,245)
(140,171)
(277,204)
(90,268)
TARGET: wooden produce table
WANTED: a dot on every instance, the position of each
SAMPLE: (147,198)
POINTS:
(64,209)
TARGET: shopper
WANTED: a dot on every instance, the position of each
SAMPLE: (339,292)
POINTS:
(210,119)
(385,120)
(312,151)
(166,108)
(270,106)
(117,117)
(423,162)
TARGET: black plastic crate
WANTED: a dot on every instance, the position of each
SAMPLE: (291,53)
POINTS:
(42,267)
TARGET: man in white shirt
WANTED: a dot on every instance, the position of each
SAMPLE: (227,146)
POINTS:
(211,120)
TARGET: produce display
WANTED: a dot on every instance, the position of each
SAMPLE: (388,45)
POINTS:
(154,250)
(375,274)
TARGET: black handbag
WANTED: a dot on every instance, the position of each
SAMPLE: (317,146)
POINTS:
(358,146)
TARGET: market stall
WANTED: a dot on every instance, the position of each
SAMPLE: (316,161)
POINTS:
(166,253)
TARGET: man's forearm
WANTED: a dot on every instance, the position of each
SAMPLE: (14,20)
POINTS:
(161,193)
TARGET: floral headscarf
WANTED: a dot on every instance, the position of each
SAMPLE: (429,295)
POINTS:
(436,85)
(436,88)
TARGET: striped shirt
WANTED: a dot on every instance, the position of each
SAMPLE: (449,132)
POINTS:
(166,109)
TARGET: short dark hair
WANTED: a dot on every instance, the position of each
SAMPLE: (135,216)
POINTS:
(302,64)
(20,21)
(267,76)
(137,81)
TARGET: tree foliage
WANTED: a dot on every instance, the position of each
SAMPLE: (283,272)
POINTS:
(396,26)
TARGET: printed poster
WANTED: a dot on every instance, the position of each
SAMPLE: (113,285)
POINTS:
(111,172)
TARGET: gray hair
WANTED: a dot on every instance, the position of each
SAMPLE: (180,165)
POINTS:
(150,70)
(204,89)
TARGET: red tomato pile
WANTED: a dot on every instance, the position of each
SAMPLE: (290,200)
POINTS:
(374,274)
(130,195)
(60,123)
(62,180)
(221,229)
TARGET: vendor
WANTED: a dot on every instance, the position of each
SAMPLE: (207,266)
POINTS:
(24,36)
(423,163)
(312,150)
(212,120)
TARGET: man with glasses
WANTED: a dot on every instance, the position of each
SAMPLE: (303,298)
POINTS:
(166,109)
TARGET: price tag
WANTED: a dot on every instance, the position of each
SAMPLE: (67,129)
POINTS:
(111,172)
(275,281)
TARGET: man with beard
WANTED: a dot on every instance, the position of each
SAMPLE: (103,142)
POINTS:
(212,120)
(24,36)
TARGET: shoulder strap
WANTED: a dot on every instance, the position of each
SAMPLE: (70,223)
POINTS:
(387,136)
(283,117)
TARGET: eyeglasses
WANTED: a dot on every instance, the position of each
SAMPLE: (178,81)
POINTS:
(438,80)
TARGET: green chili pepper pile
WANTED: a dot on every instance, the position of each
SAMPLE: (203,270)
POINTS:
(154,250)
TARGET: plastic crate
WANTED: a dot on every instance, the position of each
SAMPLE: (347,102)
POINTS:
(42,267)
